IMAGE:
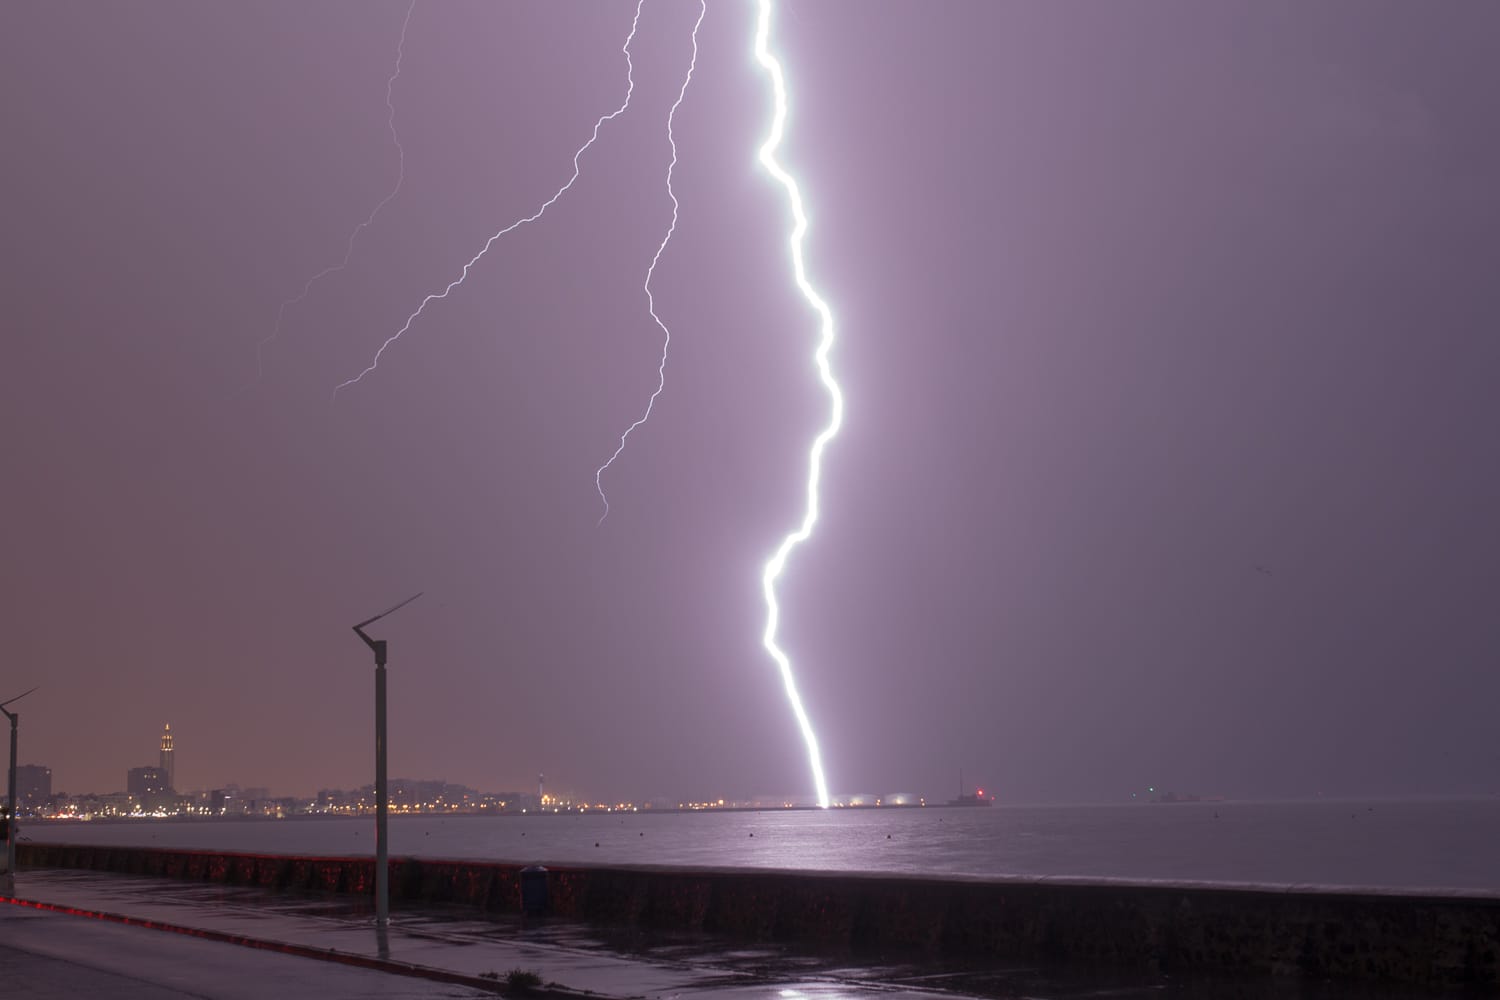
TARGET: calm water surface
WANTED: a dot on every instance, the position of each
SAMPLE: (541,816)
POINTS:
(1413,844)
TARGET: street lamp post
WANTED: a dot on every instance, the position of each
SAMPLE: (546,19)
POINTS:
(382,798)
(10,794)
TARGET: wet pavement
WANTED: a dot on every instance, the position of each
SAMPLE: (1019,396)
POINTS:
(474,952)
(46,955)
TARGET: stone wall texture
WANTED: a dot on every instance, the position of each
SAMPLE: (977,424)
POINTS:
(1428,940)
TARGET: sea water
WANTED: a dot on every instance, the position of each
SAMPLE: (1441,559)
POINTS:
(1435,843)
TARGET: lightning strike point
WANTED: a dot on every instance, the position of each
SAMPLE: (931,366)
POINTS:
(777,563)
(525,220)
(661,369)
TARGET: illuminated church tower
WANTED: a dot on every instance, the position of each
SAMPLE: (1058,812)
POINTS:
(168,765)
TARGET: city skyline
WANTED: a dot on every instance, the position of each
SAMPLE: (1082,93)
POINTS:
(156,782)
(159,780)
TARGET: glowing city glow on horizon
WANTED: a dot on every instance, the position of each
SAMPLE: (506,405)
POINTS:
(526,220)
(661,369)
(777,563)
(390,123)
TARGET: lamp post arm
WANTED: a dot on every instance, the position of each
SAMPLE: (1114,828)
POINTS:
(25,693)
(376,618)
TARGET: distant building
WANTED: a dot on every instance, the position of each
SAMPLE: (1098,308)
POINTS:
(168,762)
(148,787)
(226,802)
(116,804)
(145,781)
(33,785)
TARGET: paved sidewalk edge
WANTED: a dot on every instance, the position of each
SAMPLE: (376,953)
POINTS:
(303,951)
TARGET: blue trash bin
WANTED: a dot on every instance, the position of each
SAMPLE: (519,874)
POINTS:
(534,890)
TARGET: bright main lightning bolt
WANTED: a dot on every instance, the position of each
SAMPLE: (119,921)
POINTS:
(629,90)
(390,123)
(661,369)
(777,562)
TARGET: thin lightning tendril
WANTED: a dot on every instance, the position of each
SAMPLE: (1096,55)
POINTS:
(390,123)
(526,220)
(661,369)
(775,566)
(777,563)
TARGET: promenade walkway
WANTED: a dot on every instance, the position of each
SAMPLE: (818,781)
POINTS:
(420,949)
(52,956)
(71,933)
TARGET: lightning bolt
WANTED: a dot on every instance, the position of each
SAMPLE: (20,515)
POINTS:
(390,85)
(525,220)
(661,368)
(777,563)
(775,566)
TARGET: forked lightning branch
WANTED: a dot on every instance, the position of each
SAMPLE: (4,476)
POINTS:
(776,564)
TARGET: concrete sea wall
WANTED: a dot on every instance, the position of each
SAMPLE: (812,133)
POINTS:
(1418,939)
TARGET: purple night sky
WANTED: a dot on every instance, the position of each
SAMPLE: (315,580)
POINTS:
(1170,336)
